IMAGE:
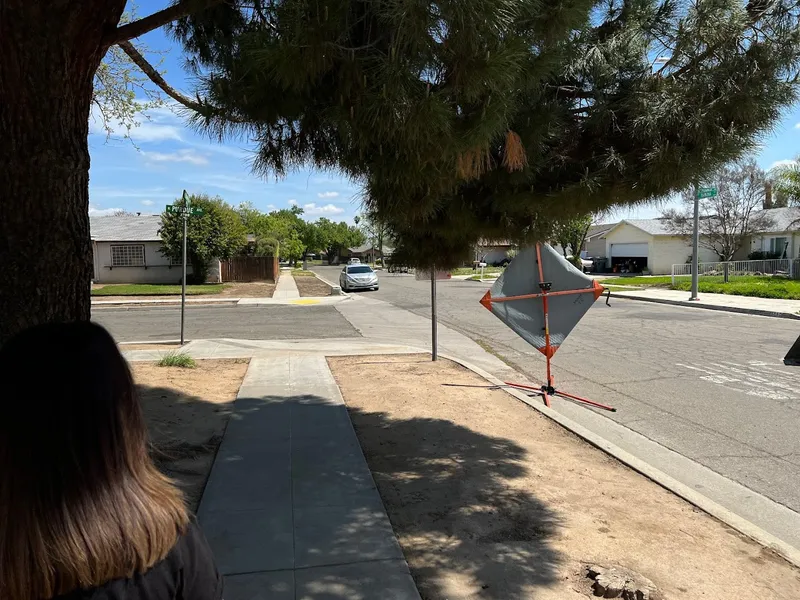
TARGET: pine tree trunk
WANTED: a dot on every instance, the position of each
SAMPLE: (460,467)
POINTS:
(49,52)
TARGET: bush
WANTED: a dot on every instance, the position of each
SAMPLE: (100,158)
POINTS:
(177,359)
(762,255)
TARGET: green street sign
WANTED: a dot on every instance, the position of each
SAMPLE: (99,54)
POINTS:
(196,211)
(172,209)
(706,192)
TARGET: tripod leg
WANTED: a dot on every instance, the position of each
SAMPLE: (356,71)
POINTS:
(586,401)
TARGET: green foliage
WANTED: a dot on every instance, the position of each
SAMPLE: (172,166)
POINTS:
(177,359)
(267,247)
(419,101)
(763,255)
(786,183)
(570,233)
(216,234)
(758,287)
(146,289)
(335,237)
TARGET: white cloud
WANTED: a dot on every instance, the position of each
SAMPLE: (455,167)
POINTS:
(327,194)
(292,202)
(783,163)
(148,202)
(186,155)
(329,209)
(270,207)
(797,125)
(96,211)
(154,192)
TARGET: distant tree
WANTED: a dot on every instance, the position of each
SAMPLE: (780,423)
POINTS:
(785,180)
(334,237)
(570,234)
(311,237)
(217,233)
(376,230)
(267,247)
(730,217)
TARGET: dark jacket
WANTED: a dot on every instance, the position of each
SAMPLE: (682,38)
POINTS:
(187,573)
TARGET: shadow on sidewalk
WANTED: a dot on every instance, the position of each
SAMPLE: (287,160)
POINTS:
(466,531)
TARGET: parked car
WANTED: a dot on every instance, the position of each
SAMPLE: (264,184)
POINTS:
(354,261)
(358,277)
(587,263)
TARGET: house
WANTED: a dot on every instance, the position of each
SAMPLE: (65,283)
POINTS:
(127,249)
(493,252)
(783,234)
(595,243)
(367,253)
(649,244)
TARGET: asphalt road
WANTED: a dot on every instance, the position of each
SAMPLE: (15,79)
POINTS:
(709,385)
(277,322)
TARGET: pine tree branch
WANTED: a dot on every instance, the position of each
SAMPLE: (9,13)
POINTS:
(157,19)
(148,69)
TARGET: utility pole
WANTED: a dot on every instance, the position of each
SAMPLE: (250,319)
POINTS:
(434,328)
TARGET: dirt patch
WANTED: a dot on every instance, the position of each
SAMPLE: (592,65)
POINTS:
(165,347)
(312,287)
(186,412)
(255,289)
(491,500)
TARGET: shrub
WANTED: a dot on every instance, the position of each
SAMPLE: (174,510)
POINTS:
(177,359)
(762,255)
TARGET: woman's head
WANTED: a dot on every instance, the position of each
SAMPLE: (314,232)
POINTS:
(80,500)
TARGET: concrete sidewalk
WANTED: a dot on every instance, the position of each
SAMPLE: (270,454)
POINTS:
(768,307)
(290,509)
(286,288)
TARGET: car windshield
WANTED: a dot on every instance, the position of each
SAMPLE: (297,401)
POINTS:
(359,269)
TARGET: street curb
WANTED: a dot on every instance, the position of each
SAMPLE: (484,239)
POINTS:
(788,552)
(175,342)
(164,302)
(733,309)
(333,285)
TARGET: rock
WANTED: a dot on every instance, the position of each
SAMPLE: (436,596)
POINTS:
(619,582)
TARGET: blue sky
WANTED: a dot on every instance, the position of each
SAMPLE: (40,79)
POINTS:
(165,157)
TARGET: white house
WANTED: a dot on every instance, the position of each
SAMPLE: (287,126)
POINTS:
(127,249)
(650,244)
(783,234)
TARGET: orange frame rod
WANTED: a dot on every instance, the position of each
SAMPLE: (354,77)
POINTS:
(543,294)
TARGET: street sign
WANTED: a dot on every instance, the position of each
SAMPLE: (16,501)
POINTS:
(196,211)
(172,209)
(706,192)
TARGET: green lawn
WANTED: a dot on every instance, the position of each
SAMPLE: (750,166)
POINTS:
(470,271)
(145,289)
(301,273)
(759,287)
(755,286)
(658,280)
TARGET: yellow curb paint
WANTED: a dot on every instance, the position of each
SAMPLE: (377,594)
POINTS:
(307,301)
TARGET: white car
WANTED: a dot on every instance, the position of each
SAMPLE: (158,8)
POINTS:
(358,277)
(354,261)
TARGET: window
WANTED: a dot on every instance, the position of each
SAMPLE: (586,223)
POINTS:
(359,269)
(127,255)
(777,244)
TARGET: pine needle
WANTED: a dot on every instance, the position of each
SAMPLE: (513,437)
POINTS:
(514,157)
(473,163)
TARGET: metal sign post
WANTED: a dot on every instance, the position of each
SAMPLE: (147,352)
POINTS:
(185,209)
(701,192)
(434,328)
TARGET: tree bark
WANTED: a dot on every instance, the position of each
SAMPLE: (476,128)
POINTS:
(49,52)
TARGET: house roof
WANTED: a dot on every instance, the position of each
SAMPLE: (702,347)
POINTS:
(368,247)
(125,228)
(782,219)
(599,230)
(651,226)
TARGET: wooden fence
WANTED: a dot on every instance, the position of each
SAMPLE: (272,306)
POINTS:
(250,268)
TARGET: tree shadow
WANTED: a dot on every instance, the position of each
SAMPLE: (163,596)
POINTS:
(466,529)
(185,432)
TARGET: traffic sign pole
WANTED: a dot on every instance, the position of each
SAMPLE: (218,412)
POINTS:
(704,192)
(185,212)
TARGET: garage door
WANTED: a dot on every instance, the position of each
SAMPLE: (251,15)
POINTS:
(629,250)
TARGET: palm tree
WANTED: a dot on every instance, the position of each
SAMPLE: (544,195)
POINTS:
(785,179)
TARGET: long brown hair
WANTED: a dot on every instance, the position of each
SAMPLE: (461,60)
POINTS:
(81,502)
